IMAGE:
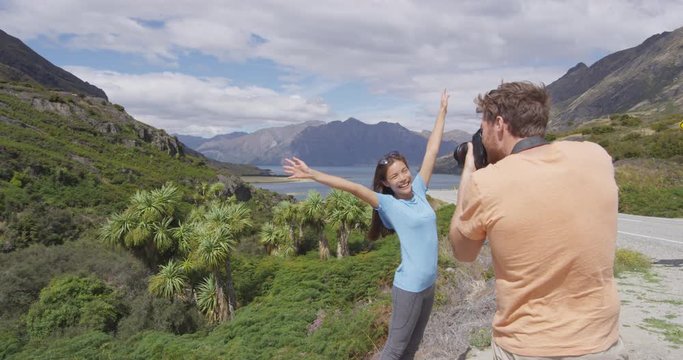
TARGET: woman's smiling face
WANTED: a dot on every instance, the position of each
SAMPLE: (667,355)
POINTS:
(400,181)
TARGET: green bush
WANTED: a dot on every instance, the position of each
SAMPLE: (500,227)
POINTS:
(19,179)
(632,136)
(57,99)
(480,338)
(600,129)
(40,224)
(632,261)
(71,301)
(626,120)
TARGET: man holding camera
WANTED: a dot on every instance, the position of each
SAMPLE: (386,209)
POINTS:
(549,212)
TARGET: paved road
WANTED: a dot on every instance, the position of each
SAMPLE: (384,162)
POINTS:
(659,238)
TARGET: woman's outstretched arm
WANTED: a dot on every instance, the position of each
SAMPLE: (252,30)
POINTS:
(434,141)
(297,169)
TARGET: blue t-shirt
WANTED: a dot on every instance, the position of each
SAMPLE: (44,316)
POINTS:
(415,223)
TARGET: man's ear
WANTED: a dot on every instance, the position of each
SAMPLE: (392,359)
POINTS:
(500,125)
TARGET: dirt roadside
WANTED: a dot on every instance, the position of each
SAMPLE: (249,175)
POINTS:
(648,304)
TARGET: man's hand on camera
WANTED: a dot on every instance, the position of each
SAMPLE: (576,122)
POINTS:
(469,167)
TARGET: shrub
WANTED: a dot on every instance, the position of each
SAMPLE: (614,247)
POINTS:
(71,301)
(600,129)
(480,338)
(626,120)
(40,224)
(632,261)
(19,179)
(57,99)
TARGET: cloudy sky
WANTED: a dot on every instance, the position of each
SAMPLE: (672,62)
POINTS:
(212,67)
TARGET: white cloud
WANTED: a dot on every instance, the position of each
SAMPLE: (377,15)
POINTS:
(409,49)
(189,105)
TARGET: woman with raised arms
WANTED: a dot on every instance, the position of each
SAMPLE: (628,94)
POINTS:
(400,205)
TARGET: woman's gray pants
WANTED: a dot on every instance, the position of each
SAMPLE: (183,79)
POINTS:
(408,322)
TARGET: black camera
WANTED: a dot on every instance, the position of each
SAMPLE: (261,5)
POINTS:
(480,159)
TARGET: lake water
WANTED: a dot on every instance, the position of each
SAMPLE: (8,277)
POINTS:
(358,174)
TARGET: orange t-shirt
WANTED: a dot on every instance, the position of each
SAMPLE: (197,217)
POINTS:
(550,214)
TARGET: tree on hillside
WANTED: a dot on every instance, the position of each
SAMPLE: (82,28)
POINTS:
(314,214)
(200,246)
(213,241)
(286,214)
(347,213)
(145,225)
(275,240)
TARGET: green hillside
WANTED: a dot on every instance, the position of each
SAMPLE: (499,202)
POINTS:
(71,157)
(647,148)
(70,164)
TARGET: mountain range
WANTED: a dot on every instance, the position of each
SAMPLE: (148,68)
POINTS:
(337,143)
(646,77)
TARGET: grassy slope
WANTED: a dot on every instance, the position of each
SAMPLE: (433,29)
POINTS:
(648,154)
(96,168)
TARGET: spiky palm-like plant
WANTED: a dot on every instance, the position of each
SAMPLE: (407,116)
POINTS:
(273,237)
(287,214)
(216,234)
(347,213)
(314,214)
(170,282)
(145,225)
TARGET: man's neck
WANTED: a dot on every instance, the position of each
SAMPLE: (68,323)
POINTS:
(509,143)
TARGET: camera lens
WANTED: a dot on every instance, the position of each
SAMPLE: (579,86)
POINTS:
(460,153)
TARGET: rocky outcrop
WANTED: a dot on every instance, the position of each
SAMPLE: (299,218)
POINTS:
(235,186)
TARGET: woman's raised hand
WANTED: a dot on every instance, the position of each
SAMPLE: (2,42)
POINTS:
(444,101)
(297,169)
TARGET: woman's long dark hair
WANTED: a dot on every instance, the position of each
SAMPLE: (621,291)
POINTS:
(377,228)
